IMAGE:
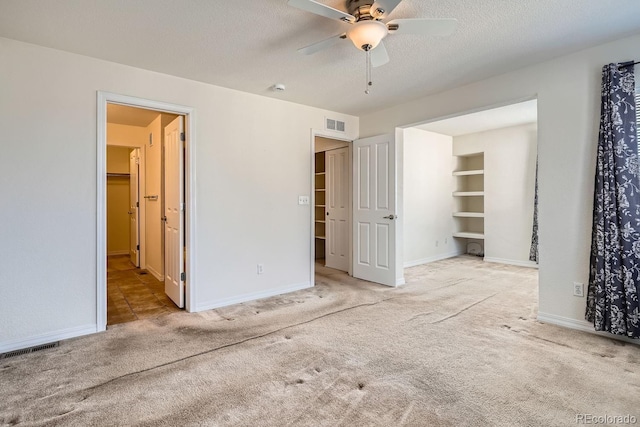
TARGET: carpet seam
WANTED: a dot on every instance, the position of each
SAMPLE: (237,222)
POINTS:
(235,343)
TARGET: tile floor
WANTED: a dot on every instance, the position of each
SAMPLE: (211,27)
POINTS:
(133,294)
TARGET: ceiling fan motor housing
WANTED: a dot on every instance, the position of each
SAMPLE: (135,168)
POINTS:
(361,9)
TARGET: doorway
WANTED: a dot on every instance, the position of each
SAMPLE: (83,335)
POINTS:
(151,278)
(485,165)
(332,203)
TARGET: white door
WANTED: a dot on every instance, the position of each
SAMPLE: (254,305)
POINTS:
(337,217)
(134,207)
(174,211)
(374,209)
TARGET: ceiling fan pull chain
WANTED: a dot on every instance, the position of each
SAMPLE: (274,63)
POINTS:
(369,83)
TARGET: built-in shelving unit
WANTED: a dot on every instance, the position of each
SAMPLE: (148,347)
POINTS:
(469,197)
(320,190)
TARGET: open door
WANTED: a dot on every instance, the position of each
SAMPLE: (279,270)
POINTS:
(374,209)
(134,207)
(174,277)
(337,218)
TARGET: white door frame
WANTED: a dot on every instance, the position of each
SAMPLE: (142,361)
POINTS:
(104,98)
(312,185)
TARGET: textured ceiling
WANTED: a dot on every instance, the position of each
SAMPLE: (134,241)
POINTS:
(251,44)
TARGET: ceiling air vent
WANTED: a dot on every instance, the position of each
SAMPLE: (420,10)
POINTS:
(335,125)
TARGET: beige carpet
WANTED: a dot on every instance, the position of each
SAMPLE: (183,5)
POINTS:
(458,346)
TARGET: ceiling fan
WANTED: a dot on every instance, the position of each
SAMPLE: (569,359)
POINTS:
(367,29)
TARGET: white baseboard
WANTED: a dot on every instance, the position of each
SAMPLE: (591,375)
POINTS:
(400,281)
(580,325)
(434,258)
(529,264)
(114,253)
(46,338)
(155,273)
(223,302)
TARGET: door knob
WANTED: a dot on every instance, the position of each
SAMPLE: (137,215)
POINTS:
(130,213)
(164,218)
(391,217)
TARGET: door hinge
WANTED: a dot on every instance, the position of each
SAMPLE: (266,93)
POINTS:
(137,204)
(138,247)
(183,276)
(182,136)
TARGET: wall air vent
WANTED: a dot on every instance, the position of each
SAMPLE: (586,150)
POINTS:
(29,350)
(335,125)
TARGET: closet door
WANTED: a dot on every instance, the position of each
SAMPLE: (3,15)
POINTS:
(337,208)
(134,207)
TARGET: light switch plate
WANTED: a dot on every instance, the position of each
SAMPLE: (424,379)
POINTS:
(303,200)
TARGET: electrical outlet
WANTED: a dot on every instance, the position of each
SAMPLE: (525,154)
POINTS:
(578,289)
(260,268)
(303,200)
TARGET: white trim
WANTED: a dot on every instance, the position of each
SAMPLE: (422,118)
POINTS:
(155,273)
(400,281)
(101,214)
(103,98)
(47,338)
(224,302)
(529,264)
(116,253)
(432,259)
(580,325)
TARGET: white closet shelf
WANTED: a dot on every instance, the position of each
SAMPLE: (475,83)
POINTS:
(320,206)
(471,172)
(468,193)
(468,235)
(319,220)
(321,173)
(321,237)
(469,214)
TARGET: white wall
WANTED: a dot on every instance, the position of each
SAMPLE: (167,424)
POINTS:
(428,204)
(118,159)
(509,185)
(253,161)
(568,93)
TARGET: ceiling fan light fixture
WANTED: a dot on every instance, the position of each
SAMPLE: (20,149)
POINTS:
(366,35)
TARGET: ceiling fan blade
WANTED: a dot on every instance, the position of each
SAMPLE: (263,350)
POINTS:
(323,44)
(382,8)
(322,10)
(379,55)
(425,27)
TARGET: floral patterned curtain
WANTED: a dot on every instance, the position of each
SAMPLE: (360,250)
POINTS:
(614,279)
